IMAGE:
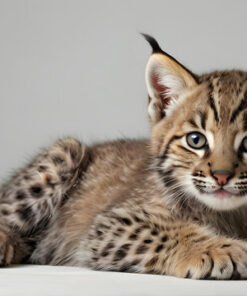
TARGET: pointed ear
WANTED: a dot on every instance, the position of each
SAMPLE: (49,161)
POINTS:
(166,80)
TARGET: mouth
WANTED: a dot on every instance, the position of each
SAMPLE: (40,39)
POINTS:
(221,199)
(225,194)
(222,194)
(219,193)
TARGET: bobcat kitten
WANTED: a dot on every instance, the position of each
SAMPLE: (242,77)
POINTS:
(175,204)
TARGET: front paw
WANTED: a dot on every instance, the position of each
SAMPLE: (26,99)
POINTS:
(220,259)
(6,248)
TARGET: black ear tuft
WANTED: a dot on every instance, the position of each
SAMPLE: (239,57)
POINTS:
(154,44)
(156,49)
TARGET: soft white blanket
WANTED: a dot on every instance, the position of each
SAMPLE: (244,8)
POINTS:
(58,281)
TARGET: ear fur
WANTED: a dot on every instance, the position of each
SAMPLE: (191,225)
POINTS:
(166,80)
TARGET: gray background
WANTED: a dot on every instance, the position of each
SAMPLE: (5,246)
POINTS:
(77,67)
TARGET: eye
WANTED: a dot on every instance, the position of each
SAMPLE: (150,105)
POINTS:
(197,140)
(244,144)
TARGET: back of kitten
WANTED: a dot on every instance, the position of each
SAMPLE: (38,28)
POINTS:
(172,205)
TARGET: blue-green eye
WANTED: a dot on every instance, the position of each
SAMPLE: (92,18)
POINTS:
(196,140)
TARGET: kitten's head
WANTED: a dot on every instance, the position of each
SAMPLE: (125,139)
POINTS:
(199,131)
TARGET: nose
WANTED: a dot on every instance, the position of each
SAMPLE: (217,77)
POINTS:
(221,176)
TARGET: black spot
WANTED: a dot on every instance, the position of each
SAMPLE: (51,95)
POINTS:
(120,254)
(20,195)
(36,190)
(64,178)
(135,262)
(49,182)
(125,221)
(159,248)
(104,254)
(125,247)
(109,246)
(57,160)
(5,212)
(25,213)
(188,275)
(141,249)
(137,219)
(154,232)
(66,148)
(133,236)
(164,238)
(120,230)
(225,246)
(139,229)
(95,259)
(99,233)
(103,226)
(147,241)
(42,168)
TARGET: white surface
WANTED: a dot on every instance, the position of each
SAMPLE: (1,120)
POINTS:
(59,281)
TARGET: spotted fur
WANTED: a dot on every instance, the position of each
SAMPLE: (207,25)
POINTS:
(158,206)
(31,198)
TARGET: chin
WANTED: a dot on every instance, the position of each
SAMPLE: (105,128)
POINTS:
(217,203)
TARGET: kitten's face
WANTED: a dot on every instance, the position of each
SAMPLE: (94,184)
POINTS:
(199,135)
(201,144)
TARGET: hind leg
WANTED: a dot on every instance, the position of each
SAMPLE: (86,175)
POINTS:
(31,198)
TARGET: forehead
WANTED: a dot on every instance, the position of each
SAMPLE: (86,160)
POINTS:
(222,98)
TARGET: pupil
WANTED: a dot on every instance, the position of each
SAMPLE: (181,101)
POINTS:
(195,139)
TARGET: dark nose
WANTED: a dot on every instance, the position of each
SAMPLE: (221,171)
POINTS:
(222,176)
